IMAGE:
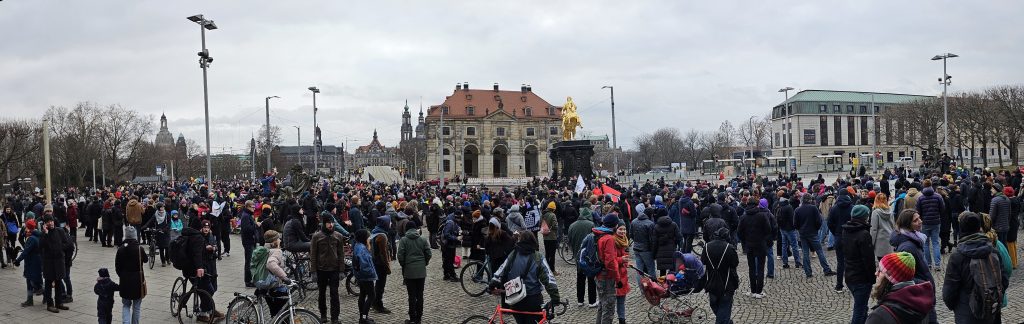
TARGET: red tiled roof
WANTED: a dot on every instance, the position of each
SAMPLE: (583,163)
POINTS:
(484,103)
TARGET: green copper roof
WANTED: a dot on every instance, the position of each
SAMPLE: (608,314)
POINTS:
(854,96)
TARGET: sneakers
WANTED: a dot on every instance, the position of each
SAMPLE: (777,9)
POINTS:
(594,305)
(61,307)
(830,273)
(839,289)
(757,296)
(580,304)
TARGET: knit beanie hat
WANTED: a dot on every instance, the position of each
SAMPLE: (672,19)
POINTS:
(610,221)
(104,273)
(551,205)
(1008,191)
(898,267)
(970,223)
(763,203)
(270,236)
(860,211)
(494,221)
(130,233)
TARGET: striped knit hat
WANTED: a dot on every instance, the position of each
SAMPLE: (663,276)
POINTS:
(898,267)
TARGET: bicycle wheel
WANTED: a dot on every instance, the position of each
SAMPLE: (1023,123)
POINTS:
(242,310)
(75,255)
(177,291)
(565,251)
(351,284)
(307,277)
(152,256)
(478,319)
(472,284)
(297,316)
(190,311)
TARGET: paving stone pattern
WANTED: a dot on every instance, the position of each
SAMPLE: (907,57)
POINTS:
(791,298)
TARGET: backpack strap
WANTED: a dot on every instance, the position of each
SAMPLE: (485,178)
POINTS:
(891,313)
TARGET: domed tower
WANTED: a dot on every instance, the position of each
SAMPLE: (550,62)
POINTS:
(164,140)
(406,123)
(421,125)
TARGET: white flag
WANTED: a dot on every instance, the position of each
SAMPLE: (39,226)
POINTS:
(579,184)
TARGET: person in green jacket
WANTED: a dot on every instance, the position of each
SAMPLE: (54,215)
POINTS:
(578,231)
(551,236)
(413,256)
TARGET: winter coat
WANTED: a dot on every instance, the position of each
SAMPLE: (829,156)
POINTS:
(498,248)
(785,216)
(105,289)
(195,249)
(362,263)
(720,260)
(999,211)
(859,252)
(163,238)
(839,215)
(959,280)
(327,251)
(356,217)
(667,238)
(133,213)
(294,233)
(906,302)
(129,264)
(53,245)
(882,226)
(538,275)
(552,222)
(249,232)
(807,220)
(622,273)
(930,206)
(514,220)
(687,216)
(913,243)
(609,254)
(32,256)
(910,201)
(275,263)
(579,231)
(413,255)
(641,230)
(755,231)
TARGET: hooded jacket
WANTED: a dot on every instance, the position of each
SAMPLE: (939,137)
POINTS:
(785,215)
(579,231)
(999,211)
(667,237)
(839,215)
(913,243)
(413,255)
(720,259)
(807,219)
(641,230)
(959,280)
(859,252)
(882,226)
(533,274)
(133,213)
(910,200)
(514,220)
(930,206)
(906,302)
(756,230)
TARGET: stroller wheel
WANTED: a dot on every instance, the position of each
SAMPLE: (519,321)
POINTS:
(655,314)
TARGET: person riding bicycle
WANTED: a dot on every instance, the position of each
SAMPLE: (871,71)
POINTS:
(196,269)
(529,266)
(295,238)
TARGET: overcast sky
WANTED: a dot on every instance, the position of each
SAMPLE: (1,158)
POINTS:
(685,64)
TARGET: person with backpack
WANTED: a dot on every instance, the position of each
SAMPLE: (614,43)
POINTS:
(900,298)
(974,282)
(364,271)
(721,260)
(449,238)
(622,257)
(189,253)
(380,249)
(528,267)
(270,279)
(859,252)
(609,278)
(128,263)
(326,257)
(578,231)
(549,230)
(413,257)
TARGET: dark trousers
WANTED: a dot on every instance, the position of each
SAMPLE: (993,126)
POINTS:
(53,291)
(531,303)
(248,260)
(224,239)
(861,292)
(365,298)
(721,305)
(755,266)
(118,234)
(550,247)
(88,230)
(66,283)
(585,284)
(204,283)
(328,280)
(105,312)
(448,261)
(378,294)
(688,243)
(414,288)
(276,301)
(841,264)
(106,235)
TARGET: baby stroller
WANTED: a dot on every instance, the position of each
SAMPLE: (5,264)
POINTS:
(674,297)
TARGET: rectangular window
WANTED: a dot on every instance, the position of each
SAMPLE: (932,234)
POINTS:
(530,131)
(851,132)
(471,131)
(447,166)
(837,109)
(552,110)
(823,108)
(500,131)
(849,109)
(553,130)
(446,131)
(864,130)
(823,126)
(838,130)
(863,109)
(876,110)
(809,137)
(777,143)
(789,110)
(444,110)
(888,132)
(470,111)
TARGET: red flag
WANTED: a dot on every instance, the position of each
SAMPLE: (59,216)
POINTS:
(605,189)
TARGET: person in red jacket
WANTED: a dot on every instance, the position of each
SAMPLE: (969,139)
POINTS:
(622,257)
(612,277)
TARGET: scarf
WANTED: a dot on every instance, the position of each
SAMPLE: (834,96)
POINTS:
(621,241)
(915,235)
(160,216)
(975,237)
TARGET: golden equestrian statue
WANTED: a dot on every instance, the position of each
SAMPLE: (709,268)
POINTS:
(570,120)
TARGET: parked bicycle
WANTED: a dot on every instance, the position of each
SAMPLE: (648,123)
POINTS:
(475,276)
(498,317)
(252,309)
(565,251)
(298,270)
(189,303)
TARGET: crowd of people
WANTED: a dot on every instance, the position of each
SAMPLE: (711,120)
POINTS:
(889,234)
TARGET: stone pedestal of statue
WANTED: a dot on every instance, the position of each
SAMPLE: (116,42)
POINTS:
(572,158)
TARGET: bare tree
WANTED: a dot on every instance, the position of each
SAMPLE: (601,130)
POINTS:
(122,135)
(20,144)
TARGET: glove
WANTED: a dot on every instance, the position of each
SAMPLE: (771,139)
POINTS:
(618,285)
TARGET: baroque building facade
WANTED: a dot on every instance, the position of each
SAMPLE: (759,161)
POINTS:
(491,133)
(413,147)
(376,154)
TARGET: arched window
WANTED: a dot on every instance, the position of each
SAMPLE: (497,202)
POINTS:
(446,152)
(529,111)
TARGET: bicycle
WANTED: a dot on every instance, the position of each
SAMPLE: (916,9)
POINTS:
(151,238)
(190,312)
(546,316)
(566,252)
(297,268)
(248,309)
(476,283)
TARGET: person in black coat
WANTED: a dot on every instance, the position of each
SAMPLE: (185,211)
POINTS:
(859,251)
(807,221)
(720,260)
(128,263)
(249,234)
(837,216)
(667,233)
(53,245)
(755,231)
(104,290)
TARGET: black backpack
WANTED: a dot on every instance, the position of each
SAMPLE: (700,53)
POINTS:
(179,253)
(986,295)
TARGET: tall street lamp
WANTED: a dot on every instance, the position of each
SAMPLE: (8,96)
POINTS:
(268,144)
(298,144)
(752,165)
(786,126)
(204,62)
(615,147)
(945,80)
(316,133)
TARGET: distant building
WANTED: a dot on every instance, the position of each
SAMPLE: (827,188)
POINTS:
(376,154)
(164,141)
(491,133)
(331,158)
(414,148)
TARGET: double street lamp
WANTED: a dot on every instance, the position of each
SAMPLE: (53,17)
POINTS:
(204,62)
(945,80)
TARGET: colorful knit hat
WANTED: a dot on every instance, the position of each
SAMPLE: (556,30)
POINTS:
(898,266)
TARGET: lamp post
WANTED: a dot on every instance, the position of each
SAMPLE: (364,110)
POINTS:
(316,133)
(204,62)
(789,130)
(298,144)
(750,122)
(268,144)
(615,146)
(874,140)
(945,80)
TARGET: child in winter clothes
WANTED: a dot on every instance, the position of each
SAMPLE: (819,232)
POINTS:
(105,289)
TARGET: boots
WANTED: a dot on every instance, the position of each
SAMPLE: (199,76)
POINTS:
(52,309)
(28,302)
(622,321)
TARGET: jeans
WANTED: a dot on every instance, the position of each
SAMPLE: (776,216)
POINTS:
(932,247)
(789,241)
(378,293)
(67,284)
(587,285)
(415,292)
(365,298)
(808,244)
(645,262)
(824,235)
(620,307)
(328,281)
(722,307)
(860,292)
(131,310)
(771,261)
(840,265)
(606,306)
(206,284)
(755,266)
